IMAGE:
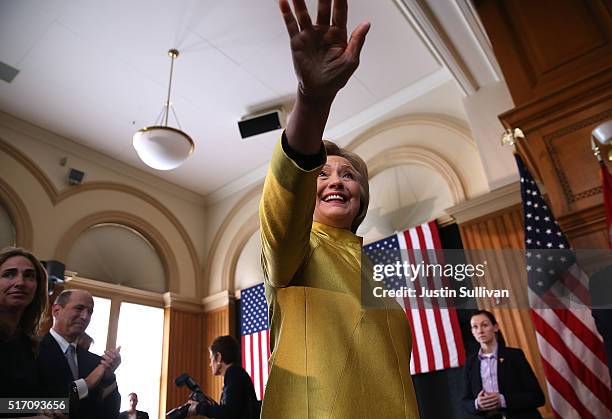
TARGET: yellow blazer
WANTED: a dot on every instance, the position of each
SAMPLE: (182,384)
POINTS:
(331,358)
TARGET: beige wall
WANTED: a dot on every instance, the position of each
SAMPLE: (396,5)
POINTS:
(171,218)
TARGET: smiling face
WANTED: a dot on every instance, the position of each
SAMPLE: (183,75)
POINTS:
(72,319)
(337,203)
(17,283)
(483,330)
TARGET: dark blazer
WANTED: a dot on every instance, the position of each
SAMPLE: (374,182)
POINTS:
(139,415)
(515,379)
(238,399)
(56,380)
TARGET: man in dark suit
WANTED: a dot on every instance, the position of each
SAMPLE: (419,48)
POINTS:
(132,413)
(70,371)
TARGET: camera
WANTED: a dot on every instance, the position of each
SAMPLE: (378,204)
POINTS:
(196,394)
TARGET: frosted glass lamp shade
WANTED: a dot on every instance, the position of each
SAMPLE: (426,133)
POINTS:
(162,148)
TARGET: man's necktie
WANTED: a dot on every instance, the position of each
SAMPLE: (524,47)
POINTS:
(70,357)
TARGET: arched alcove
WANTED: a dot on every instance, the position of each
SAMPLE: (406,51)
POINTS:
(400,198)
(15,222)
(117,254)
(7,229)
(248,266)
(127,224)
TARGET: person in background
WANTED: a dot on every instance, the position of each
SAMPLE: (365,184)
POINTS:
(68,370)
(238,399)
(132,413)
(498,380)
(331,357)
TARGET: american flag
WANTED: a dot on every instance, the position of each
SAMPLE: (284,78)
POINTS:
(436,335)
(255,336)
(571,349)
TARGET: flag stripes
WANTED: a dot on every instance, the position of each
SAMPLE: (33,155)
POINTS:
(437,341)
(255,336)
(571,349)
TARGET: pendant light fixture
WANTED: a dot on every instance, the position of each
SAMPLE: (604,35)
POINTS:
(160,146)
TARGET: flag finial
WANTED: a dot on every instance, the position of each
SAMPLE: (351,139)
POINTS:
(510,137)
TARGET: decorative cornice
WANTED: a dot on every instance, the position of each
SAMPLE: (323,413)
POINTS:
(216,301)
(473,22)
(105,289)
(433,36)
(431,120)
(177,302)
(493,201)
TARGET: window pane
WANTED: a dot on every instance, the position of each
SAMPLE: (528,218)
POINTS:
(98,327)
(140,335)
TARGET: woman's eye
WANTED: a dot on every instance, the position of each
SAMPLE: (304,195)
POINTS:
(8,273)
(31,275)
(322,174)
(349,175)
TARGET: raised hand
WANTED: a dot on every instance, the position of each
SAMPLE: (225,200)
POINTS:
(323,58)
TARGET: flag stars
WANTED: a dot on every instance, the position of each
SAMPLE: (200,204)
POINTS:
(540,283)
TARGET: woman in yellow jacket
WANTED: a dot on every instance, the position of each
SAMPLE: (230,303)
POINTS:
(331,357)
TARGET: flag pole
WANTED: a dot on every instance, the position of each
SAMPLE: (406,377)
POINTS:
(597,153)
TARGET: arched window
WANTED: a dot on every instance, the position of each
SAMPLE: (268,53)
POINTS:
(403,196)
(117,254)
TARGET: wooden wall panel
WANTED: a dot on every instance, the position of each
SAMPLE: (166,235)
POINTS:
(184,351)
(543,46)
(504,230)
(216,323)
(556,56)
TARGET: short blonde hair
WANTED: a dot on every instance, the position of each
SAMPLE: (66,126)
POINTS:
(360,166)
(31,319)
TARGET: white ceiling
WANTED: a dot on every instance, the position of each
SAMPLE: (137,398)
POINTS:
(96,71)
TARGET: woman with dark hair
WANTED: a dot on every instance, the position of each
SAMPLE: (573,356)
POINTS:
(331,357)
(498,380)
(238,399)
(23,301)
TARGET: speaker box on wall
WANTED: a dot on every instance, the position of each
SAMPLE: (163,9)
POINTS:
(264,122)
